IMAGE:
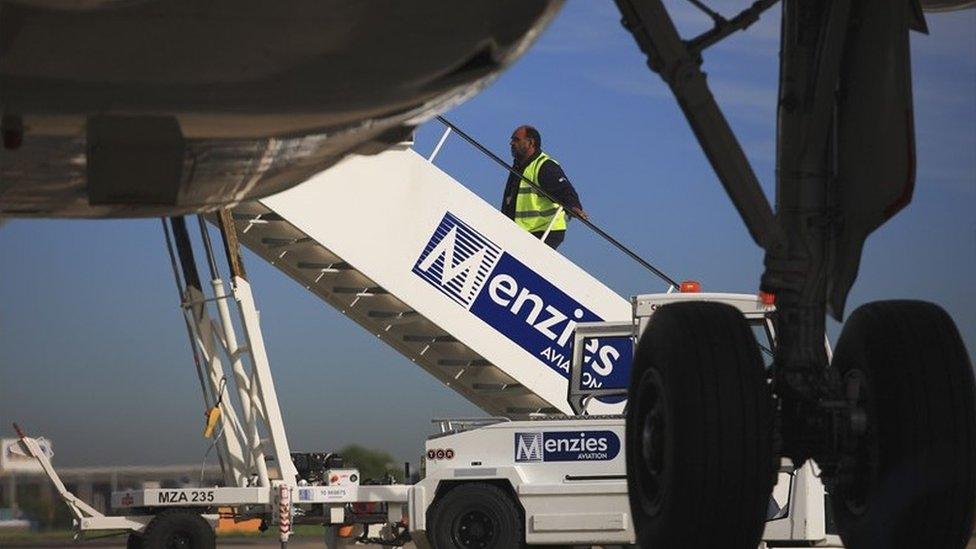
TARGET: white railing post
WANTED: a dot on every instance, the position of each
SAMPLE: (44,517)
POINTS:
(440,144)
(545,235)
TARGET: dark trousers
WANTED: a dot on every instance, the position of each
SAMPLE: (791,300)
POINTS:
(554,239)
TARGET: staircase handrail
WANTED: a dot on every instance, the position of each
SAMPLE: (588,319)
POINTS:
(603,234)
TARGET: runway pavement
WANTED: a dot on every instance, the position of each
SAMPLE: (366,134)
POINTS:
(222,543)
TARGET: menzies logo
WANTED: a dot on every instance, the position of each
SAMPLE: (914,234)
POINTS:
(512,298)
(457,260)
(528,446)
(566,446)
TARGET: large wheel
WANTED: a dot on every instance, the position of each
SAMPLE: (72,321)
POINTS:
(476,516)
(179,529)
(700,463)
(912,480)
(134,541)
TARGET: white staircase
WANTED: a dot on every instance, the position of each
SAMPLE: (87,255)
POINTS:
(434,271)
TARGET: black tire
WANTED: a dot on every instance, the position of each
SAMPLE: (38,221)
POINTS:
(179,529)
(700,462)
(134,541)
(476,516)
(912,482)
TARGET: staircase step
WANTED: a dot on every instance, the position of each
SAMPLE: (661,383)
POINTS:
(434,310)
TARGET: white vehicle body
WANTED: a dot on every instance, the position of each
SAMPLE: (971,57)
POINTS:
(567,475)
(581,499)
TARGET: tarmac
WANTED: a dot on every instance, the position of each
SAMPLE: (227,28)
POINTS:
(304,542)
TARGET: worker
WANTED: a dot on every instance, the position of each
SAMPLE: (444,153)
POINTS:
(525,205)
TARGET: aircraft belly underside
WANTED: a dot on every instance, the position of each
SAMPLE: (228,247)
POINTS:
(120,109)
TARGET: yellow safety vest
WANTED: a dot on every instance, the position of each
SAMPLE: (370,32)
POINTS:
(533,212)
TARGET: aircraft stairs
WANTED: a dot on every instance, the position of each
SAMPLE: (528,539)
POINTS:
(437,273)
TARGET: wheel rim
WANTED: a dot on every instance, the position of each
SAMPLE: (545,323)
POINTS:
(474,528)
(179,540)
(860,468)
(652,421)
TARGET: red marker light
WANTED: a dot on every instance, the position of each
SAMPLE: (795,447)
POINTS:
(690,287)
(767,298)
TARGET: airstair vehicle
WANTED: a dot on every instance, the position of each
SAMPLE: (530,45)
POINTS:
(417,276)
(486,308)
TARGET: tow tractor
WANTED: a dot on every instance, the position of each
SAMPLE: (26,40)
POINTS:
(488,482)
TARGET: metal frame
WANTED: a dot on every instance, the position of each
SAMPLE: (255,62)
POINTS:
(86,517)
(579,398)
(250,487)
(216,340)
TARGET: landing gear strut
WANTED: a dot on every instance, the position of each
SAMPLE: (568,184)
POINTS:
(891,423)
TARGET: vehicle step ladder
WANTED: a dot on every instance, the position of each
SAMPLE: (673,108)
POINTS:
(359,235)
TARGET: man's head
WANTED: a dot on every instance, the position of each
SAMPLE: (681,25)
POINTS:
(526,141)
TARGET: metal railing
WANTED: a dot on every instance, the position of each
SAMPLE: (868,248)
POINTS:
(592,226)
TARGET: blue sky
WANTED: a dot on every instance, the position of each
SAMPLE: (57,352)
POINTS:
(93,352)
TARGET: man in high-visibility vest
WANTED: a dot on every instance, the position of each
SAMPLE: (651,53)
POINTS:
(526,206)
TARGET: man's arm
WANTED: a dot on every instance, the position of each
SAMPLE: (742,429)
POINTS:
(553,180)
